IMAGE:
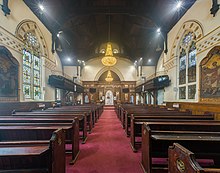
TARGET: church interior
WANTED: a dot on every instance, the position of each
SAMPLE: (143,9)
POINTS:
(109,86)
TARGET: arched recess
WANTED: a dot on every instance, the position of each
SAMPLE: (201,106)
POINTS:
(183,55)
(210,76)
(8,76)
(104,69)
(26,26)
(188,26)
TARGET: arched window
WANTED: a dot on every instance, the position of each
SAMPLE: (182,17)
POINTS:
(187,67)
(31,68)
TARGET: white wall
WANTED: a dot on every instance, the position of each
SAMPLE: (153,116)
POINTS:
(70,71)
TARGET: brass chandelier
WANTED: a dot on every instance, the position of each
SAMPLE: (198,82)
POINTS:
(109,60)
(109,77)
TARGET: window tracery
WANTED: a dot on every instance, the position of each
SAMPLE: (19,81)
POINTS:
(31,68)
(187,67)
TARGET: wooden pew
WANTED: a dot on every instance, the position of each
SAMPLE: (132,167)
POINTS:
(137,121)
(96,110)
(158,136)
(150,111)
(35,158)
(183,160)
(84,118)
(172,115)
(50,117)
(88,113)
(38,131)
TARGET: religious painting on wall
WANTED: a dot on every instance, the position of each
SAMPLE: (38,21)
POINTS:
(210,74)
(8,76)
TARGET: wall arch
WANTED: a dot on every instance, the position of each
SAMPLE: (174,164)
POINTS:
(104,69)
(30,26)
(8,75)
(189,26)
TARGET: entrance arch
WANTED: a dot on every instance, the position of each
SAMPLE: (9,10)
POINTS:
(109,98)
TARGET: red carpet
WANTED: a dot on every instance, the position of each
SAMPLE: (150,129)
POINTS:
(107,149)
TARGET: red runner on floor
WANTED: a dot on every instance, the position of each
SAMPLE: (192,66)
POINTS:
(107,149)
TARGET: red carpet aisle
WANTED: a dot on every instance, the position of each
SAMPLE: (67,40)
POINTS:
(107,149)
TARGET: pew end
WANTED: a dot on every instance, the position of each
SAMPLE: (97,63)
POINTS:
(57,146)
(183,160)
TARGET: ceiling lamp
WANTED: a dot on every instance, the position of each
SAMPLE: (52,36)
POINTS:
(109,59)
(109,77)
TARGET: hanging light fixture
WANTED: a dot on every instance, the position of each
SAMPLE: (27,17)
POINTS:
(109,60)
(109,77)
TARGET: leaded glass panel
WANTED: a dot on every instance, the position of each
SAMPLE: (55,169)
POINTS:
(36,77)
(26,74)
(192,74)
(27,91)
(37,93)
(191,91)
(182,72)
(192,58)
(36,63)
(27,58)
(187,39)
(32,40)
(182,92)
(192,64)
(183,63)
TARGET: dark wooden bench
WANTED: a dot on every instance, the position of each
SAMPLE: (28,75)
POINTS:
(35,158)
(161,114)
(137,121)
(150,111)
(50,117)
(58,111)
(158,136)
(38,131)
(84,118)
(96,110)
(183,160)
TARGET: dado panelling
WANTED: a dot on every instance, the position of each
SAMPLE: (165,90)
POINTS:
(197,108)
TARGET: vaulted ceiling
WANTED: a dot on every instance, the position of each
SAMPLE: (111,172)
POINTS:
(84,25)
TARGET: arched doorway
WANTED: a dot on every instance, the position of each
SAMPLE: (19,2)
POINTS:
(109,98)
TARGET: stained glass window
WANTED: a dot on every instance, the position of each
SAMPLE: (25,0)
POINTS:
(27,90)
(187,67)
(187,39)
(27,58)
(182,92)
(191,91)
(37,93)
(183,63)
(192,64)
(31,76)
(31,40)
(37,78)
(36,63)
(182,68)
